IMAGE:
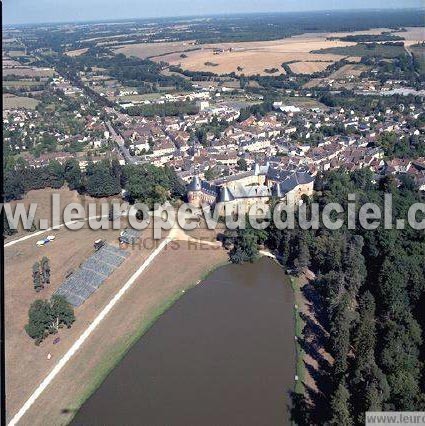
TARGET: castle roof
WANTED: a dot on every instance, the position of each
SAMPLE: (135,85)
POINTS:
(285,181)
(225,195)
(195,184)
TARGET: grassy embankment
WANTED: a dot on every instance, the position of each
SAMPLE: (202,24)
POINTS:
(418,52)
(118,352)
(299,325)
(298,332)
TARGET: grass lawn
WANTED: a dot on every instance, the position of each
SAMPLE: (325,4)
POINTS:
(303,102)
(418,52)
(16,53)
(12,101)
(21,83)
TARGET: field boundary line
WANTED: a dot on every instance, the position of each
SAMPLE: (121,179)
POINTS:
(78,343)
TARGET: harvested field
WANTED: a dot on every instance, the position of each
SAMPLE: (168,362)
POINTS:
(253,57)
(167,72)
(16,53)
(29,72)
(249,62)
(341,73)
(107,37)
(314,82)
(11,101)
(308,67)
(133,98)
(10,63)
(76,52)
(350,69)
(372,31)
(146,50)
(25,84)
(356,59)
(413,35)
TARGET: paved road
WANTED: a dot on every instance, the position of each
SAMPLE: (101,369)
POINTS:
(121,146)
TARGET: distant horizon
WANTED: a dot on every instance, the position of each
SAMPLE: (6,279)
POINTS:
(414,5)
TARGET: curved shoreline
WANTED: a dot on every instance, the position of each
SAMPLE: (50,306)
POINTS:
(255,307)
(118,352)
(298,329)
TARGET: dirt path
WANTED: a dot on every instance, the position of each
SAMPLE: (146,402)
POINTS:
(79,342)
(48,377)
(178,267)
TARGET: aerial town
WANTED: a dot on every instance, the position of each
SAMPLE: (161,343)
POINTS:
(214,143)
(305,326)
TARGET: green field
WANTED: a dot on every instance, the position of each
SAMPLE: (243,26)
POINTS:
(303,102)
(21,83)
(16,53)
(418,52)
(12,101)
(368,50)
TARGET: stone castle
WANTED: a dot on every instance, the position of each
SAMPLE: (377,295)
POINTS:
(247,188)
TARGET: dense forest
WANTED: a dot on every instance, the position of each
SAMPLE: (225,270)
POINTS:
(363,38)
(368,293)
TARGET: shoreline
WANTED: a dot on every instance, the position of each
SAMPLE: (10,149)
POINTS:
(299,324)
(117,353)
(300,370)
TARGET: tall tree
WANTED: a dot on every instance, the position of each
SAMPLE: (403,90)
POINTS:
(339,339)
(369,386)
(72,173)
(45,270)
(101,182)
(36,277)
(47,316)
(244,247)
(340,407)
(55,173)
(39,319)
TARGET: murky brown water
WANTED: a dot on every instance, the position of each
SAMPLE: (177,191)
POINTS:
(222,355)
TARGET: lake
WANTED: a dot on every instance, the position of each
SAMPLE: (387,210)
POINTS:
(223,354)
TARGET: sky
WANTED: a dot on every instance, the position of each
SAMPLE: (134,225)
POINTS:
(40,11)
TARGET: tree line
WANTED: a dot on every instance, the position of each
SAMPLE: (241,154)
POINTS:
(101,179)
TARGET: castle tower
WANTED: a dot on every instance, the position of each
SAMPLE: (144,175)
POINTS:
(194,191)
(277,190)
